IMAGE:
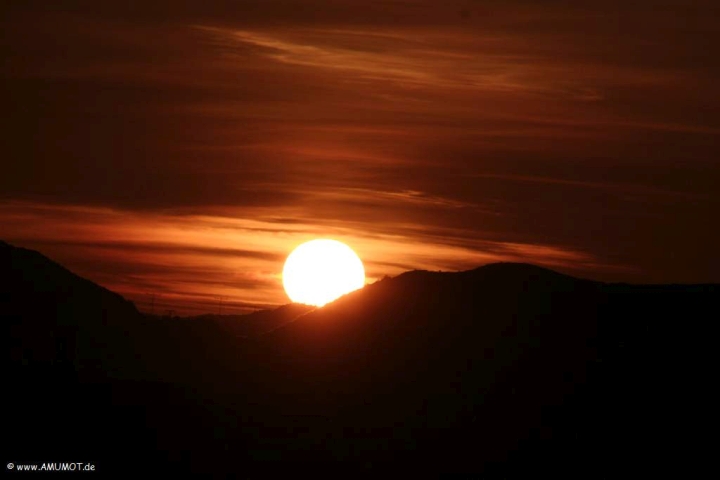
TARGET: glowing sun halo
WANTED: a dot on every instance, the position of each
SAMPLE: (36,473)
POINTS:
(319,271)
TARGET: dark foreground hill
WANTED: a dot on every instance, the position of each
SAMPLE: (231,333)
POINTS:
(507,370)
(254,324)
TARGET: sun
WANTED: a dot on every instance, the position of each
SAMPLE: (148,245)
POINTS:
(319,271)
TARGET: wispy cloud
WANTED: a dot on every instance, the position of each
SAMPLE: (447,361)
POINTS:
(194,260)
(205,139)
(413,58)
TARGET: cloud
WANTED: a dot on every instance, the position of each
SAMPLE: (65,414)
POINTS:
(189,258)
(464,127)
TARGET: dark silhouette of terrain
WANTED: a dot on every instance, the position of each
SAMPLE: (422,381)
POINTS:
(506,370)
(257,323)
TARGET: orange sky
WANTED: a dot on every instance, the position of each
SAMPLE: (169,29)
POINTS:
(184,150)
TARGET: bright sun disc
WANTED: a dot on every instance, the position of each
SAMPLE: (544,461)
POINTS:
(319,271)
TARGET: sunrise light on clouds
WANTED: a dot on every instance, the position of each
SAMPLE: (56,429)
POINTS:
(183,151)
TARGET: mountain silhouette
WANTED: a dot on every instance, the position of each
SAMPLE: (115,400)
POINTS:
(54,317)
(257,323)
(505,370)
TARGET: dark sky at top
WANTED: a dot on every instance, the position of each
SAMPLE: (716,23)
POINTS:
(183,148)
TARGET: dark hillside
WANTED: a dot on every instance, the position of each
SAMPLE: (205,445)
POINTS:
(507,370)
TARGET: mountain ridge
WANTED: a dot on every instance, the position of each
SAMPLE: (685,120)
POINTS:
(538,368)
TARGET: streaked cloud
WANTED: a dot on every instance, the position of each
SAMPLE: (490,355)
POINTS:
(201,140)
(193,262)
